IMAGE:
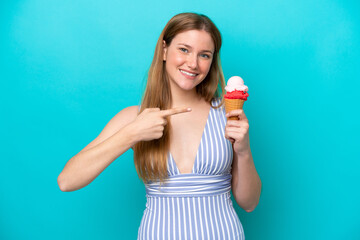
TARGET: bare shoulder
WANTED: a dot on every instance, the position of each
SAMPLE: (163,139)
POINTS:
(120,120)
(125,116)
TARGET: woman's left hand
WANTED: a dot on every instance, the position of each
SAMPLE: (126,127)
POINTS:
(237,131)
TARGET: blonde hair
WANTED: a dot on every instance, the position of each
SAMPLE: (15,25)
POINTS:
(150,157)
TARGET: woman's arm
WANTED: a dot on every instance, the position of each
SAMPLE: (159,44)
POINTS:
(115,139)
(246,183)
(122,132)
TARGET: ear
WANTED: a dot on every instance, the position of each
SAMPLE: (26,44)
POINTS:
(164,50)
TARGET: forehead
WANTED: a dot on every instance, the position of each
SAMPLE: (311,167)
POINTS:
(196,39)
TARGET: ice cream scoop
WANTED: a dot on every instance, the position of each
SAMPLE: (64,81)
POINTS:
(235,83)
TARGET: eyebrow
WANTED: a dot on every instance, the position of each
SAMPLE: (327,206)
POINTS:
(188,46)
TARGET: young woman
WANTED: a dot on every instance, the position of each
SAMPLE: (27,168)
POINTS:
(188,155)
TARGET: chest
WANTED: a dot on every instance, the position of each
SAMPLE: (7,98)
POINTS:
(186,134)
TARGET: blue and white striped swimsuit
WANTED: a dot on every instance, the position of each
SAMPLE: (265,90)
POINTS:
(195,205)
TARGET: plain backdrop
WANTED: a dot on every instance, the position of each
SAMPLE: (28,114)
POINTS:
(67,67)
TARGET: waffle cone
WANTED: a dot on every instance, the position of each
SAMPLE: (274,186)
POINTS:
(232,104)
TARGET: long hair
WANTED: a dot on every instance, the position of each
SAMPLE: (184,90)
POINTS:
(151,156)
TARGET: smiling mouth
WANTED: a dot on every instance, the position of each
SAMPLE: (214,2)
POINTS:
(189,74)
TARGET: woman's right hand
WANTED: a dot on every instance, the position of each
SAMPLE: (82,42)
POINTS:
(149,124)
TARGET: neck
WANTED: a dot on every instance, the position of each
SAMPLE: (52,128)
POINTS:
(182,98)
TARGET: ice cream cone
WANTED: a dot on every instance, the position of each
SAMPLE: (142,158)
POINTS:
(232,104)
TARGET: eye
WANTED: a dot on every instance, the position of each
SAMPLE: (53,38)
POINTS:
(205,55)
(183,50)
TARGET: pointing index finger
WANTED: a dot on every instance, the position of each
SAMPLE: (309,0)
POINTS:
(173,111)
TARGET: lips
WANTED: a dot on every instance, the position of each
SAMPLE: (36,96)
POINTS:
(188,73)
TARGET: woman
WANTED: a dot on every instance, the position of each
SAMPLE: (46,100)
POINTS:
(187,154)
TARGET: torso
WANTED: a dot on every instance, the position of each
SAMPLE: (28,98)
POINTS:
(186,133)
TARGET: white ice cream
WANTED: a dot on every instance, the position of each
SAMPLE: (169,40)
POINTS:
(236,83)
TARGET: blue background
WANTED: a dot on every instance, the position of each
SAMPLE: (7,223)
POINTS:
(67,67)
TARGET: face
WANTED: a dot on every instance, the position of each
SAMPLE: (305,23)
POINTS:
(188,58)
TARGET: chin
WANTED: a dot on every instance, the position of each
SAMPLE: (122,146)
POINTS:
(187,87)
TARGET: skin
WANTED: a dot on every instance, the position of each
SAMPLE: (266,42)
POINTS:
(189,51)
(246,183)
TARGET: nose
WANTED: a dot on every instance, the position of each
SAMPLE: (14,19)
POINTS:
(192,61)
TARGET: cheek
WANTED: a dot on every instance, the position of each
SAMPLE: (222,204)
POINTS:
(205,66)
(178,60)
(175,59)
(172,62)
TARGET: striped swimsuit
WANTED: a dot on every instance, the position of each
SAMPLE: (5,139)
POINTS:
(195,205)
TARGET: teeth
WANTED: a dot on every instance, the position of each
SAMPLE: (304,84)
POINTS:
(187,73)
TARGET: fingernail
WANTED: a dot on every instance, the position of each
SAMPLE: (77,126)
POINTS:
(189,109)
